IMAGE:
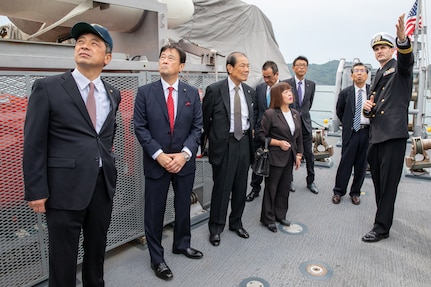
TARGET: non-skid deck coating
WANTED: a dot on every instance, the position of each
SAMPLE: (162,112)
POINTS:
(325,248)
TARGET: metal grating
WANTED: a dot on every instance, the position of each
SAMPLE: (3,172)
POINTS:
(23,234)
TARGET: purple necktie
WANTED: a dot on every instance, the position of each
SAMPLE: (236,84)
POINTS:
(300,93)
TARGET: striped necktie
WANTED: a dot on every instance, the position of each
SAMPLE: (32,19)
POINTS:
(358,110)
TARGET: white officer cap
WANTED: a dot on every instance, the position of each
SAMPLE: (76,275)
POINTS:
(383,38)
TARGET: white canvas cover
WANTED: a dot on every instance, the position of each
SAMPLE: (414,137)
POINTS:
(233,25)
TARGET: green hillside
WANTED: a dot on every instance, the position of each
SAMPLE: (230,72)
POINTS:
(323,74)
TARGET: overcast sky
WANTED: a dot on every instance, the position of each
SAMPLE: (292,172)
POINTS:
(324,30)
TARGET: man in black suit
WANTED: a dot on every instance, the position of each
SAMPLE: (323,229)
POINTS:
(387,108)
(69,168)
(228,123)
(354,136)
(168,124)
(270,77)
(304,90)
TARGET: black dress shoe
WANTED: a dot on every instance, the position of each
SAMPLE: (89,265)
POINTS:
(189,252)
(356,200)
(162,271)
(336,199)
(373,236)
(284,222)
(251,196)
(313,188)
(241,232)
(272,227)
(215,239)
(292,187)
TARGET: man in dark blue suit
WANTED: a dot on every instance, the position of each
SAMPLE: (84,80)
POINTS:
(69,166)
(354,136)
(304,90)
(387,108)
(168,124)
(270,77)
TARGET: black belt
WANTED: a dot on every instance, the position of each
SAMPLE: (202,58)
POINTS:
(361,127)
(246,132)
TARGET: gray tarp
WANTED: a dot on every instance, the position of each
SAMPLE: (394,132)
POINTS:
(233,25)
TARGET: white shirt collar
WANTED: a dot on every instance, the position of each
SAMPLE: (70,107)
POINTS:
(165,84)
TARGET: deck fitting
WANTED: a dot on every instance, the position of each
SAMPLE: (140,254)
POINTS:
(316,270)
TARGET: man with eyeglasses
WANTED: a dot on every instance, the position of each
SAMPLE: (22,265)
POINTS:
(354,136)
(270,77)
(303,90)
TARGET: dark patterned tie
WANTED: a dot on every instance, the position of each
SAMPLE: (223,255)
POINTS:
(237,122)
(91,104)
(171,110)
(358,110)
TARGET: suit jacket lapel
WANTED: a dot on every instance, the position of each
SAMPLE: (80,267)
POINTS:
(352,99)
(72,90)
(159,94)
(248,98)
(281,118)
(226,96)
(109,117)
(182,97)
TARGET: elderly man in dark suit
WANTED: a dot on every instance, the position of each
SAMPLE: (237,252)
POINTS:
(387,108)
(270,77)
(228,123)
(304,90)
(69,168)
(354,136)
(168,124)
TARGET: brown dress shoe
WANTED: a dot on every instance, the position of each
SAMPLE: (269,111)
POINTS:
(336,199)
(356,200)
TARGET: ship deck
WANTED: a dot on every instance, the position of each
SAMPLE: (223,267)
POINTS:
(322,247)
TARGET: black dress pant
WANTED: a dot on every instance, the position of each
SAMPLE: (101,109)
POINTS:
(353,154)
(307,141)
(64,229)
(386,161)
(230,181)
(276,195)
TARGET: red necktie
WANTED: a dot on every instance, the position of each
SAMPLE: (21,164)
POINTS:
(171,110)
(91,104)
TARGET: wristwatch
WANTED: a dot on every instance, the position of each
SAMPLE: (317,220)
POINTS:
(186,156)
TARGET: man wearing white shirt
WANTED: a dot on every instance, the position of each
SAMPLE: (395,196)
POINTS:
(354,136)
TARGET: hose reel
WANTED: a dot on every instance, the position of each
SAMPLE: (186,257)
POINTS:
(419,158)
(321,149)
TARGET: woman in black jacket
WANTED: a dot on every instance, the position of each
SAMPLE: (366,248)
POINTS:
(282,126)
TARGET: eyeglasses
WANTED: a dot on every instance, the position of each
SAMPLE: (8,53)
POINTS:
(359,71)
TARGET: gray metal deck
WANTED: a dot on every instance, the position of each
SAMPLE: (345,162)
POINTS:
(327,244)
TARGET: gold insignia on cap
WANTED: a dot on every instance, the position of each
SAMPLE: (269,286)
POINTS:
(377,38)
